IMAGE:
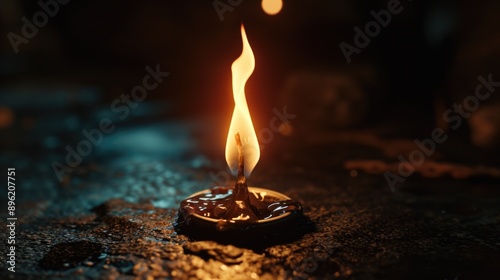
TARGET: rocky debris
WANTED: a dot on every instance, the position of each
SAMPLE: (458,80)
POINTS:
(211,250)
(71,254)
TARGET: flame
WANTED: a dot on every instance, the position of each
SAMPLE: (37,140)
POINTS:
(241,121)
(272,7)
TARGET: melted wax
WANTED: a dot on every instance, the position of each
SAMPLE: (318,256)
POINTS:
(236,207)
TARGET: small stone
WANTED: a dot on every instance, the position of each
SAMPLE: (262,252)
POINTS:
(232,252)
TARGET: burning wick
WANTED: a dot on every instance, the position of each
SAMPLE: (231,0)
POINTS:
(225,213)
(241,161)
(243,207)
(221,213)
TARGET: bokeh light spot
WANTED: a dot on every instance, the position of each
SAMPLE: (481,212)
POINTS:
(272,7)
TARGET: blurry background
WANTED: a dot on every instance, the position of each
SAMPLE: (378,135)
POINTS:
(65,78)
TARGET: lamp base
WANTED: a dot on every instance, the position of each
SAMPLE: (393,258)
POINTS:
(196,219)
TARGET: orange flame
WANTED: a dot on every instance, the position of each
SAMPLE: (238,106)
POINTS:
(241,121)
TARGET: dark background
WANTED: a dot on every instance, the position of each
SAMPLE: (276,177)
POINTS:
(430,53)
(353,121)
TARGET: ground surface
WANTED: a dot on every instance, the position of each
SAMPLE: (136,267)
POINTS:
(112,218)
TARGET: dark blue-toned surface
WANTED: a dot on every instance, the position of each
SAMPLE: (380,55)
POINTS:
(112,216)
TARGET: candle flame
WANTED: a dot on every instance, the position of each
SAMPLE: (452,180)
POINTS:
(241,121)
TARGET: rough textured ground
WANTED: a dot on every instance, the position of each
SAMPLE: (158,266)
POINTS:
(112,218)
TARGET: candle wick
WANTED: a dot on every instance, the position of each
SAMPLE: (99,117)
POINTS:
(241,158)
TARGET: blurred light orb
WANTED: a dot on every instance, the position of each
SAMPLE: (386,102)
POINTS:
(272,7)
(6,117)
